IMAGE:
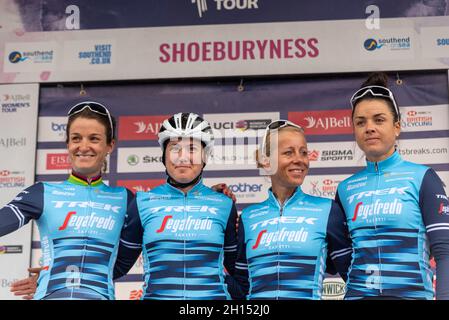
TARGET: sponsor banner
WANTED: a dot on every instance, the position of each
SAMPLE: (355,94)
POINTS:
(140,127)
(331,155)
(435,42)
(140,185)
(425,151)
(428,118)
(55,161)
(334,288)
(387,44)
(128,290)
(89,55)
(323,122)
(52,129)
(220,50)
(29,56)
(245,189)
(233,157)
(322,186)
(140,160)
(18,127)
(240,125)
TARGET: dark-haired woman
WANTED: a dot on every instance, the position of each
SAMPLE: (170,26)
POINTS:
(396,211)
(80,220)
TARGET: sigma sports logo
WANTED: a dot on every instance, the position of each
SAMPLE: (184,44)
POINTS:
(184,209)
(90,221)
(86,204)
(331,155)
(175,225)
(283,236)
(202,6)
(383,192)
(283,219)
(378,208)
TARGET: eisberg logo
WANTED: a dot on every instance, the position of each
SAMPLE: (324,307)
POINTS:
(383,192)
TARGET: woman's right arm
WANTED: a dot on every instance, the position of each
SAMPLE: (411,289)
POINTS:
(27,205)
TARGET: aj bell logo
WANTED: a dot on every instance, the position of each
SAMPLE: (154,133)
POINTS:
(226,5)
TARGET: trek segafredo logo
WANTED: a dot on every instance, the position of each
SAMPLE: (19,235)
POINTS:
(266,238)
(169,223)
(92,220)
(365,211)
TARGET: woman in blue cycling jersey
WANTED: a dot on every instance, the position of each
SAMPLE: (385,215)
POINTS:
(80,220)
(185,229)
(396,211)
(287,241)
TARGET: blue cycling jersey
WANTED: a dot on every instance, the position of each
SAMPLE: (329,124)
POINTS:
(80,225)
(283,250)
(187,240)
(396,211)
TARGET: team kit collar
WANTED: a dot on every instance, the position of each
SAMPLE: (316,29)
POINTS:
(198,186)
(81,180)
(384,165)
(298,194)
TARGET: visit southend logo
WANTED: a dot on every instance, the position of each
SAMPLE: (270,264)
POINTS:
(16,57)
(36,56)
(391,43)
(371,45)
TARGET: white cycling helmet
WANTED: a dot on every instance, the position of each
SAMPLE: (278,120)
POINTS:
(187,125)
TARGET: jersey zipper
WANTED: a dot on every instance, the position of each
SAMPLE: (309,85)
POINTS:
(184,255)
(376,167)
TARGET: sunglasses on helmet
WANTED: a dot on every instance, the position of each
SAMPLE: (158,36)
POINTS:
(94,107)
(375,91)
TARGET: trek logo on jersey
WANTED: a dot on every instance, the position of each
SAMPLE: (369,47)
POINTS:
(383,192)
(175,225)
(283,219)
(87,204)
(184,209)
(377,208)
(283,236)
(91,221)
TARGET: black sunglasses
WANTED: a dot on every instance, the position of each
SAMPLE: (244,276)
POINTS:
(94,107)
